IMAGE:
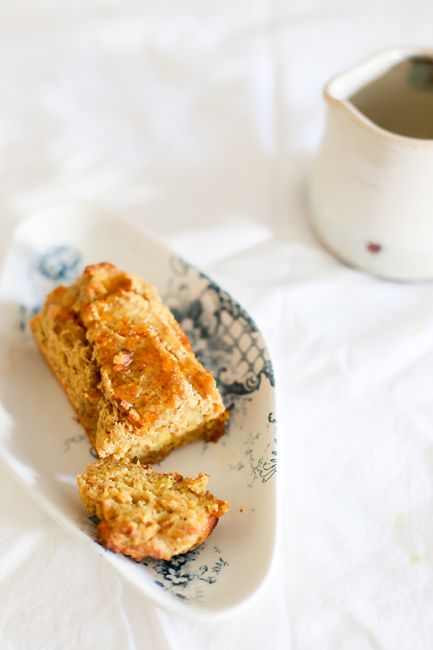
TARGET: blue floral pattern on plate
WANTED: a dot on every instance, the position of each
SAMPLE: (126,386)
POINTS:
(222,334)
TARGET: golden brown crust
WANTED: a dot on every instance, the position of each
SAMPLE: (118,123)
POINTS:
(143,513)
(127,367)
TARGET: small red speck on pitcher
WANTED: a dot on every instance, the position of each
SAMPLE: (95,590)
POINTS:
(374,248)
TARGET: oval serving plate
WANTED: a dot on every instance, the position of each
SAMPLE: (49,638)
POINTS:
(45,447)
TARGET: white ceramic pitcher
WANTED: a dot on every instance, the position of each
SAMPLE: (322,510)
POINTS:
(372,184)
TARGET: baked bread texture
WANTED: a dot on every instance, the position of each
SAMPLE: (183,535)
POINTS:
(127,366)
(143,513)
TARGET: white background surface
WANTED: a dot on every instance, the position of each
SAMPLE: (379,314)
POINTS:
(200,121)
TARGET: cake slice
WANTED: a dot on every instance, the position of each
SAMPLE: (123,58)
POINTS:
(143,513)
(127,367)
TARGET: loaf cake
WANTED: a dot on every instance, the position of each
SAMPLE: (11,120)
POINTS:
(143,513)
(127,367)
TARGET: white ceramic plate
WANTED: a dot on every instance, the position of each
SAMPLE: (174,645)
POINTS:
(45,447)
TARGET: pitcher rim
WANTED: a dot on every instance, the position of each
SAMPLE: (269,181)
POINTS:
(389,56)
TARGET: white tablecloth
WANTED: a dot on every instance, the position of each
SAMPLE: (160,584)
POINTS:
(200,121)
